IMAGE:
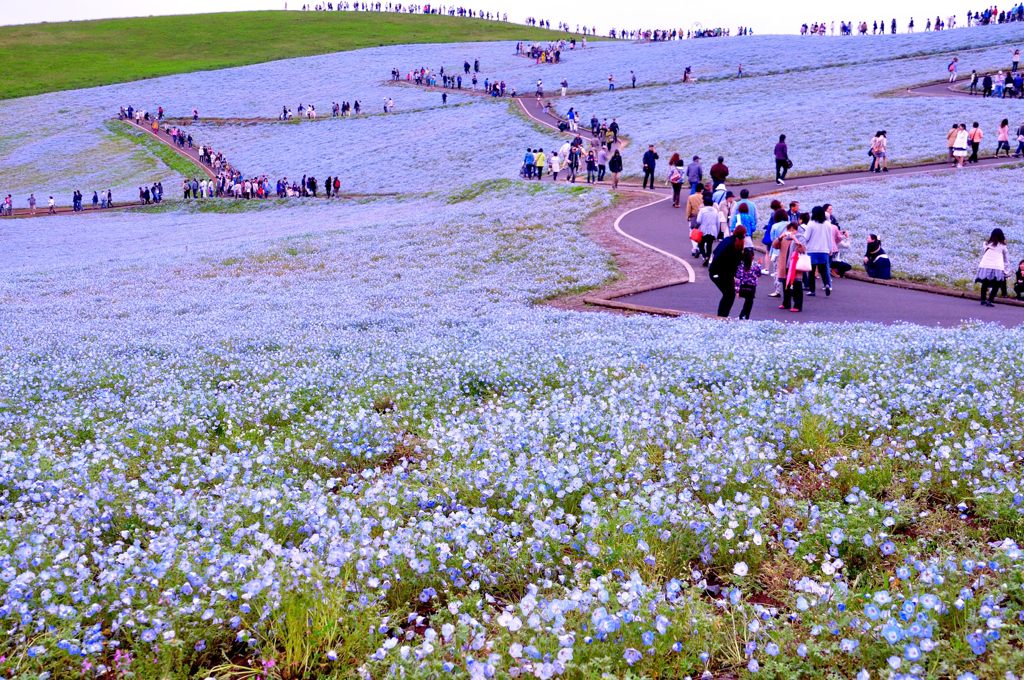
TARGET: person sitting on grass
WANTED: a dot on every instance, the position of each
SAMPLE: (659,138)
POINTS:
(1018,283)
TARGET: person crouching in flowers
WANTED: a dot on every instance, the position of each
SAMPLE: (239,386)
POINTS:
(993,268)
(747,275)
(1018,282)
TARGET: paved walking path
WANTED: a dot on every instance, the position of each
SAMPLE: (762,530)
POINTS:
(660,227)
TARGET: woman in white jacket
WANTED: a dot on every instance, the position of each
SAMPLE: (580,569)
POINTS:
(993,268)
(819,241)
(960,145)
(555,165)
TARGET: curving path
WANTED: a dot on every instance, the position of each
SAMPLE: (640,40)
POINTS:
(660,227)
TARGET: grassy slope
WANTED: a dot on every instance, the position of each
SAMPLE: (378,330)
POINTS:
(51,57)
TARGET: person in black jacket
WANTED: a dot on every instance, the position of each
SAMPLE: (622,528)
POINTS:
(724,264)
(650,161)
(615,167)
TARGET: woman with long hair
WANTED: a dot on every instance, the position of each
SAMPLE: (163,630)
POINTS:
(818,239)
(993,268)
(1003,138)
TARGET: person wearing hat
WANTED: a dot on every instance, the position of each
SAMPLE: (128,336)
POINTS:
(694,175)
(650,160)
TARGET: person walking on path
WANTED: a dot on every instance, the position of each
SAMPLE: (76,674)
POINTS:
(974,137)
(602,163)
(650,162)
(818,239)
(782,162)
(615,167)
(973,89)
(676,178)
(789,278)
(709,223)
(993,268)
(747,276)
(879,152)
(31,204)
(960,145)
(1016,60)
(51,206)
(952,69)
(555,165)
(694,175)
(727,258)
(951,141)
(1003,138)
(693,205)
(986,86)
(719,172)
(1020,142)
(539,163)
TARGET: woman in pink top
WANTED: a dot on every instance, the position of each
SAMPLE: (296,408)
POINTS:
(1004,138)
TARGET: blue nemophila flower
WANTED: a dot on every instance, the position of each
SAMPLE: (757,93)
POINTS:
(888,548)
(977,643)
(632,655)
(892,633)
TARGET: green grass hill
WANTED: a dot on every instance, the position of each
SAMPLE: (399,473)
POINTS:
(41,58)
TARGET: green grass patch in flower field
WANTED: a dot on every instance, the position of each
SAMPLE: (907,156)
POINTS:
(154,147)
(41,58)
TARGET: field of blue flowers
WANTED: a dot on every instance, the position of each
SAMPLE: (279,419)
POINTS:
(299,439)
(56,143)
(342,441)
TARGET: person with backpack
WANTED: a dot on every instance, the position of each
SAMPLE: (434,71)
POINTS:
(675,178)
(952,69)
(747,275)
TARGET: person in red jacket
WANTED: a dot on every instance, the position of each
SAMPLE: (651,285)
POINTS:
(719,172)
